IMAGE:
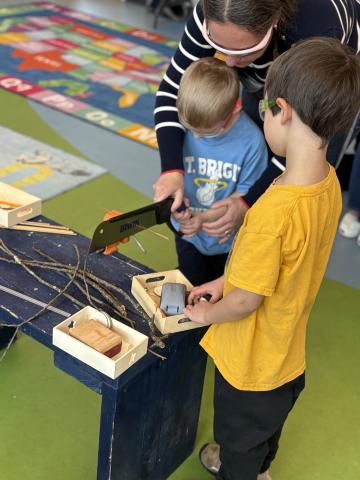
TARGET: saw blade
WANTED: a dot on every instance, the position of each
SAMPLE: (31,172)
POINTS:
(115,229)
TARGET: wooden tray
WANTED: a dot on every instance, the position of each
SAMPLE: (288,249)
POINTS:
(143,289)
(29,205)
(134,344)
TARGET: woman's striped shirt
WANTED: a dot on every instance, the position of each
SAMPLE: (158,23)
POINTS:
(331,18)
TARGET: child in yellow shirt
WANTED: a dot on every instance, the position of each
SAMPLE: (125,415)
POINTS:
(259,309)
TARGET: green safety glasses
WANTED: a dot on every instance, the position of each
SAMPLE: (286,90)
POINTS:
(264,105)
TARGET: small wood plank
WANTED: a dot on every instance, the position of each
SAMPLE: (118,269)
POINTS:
(30,228)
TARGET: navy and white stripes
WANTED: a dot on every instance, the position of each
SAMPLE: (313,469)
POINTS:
(345,12)
(336,18)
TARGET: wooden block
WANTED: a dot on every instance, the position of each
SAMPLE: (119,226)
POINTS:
(98,337)
(40,229)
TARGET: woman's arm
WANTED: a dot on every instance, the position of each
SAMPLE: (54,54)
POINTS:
(169,131)
(190,225)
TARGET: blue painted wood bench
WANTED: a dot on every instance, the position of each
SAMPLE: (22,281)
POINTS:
(149,415)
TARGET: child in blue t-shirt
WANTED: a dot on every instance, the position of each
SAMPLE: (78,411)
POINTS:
(224,154)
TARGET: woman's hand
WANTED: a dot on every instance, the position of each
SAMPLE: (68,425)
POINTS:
(228,223)
(170,184)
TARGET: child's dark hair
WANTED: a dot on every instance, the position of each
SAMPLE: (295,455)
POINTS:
(320,79)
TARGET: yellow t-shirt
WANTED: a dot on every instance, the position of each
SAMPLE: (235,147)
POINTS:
(281,252)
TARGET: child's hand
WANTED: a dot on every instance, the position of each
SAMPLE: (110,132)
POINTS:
(214,289)
(191,226)
(199,313)
(185,215)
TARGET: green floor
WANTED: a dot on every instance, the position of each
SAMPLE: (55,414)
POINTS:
(49,422)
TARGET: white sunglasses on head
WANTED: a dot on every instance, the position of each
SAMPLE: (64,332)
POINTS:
(244,51)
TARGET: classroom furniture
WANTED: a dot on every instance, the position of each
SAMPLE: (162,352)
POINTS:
(149,414)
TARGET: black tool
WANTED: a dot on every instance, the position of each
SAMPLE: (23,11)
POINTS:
(116,228)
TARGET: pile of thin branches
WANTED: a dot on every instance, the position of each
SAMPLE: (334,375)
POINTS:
(104,296)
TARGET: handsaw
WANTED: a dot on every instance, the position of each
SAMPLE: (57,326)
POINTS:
(117,228)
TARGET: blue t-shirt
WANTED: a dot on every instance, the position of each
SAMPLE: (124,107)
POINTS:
(217,167)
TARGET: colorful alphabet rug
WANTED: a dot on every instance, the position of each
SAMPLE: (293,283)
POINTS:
(101,71)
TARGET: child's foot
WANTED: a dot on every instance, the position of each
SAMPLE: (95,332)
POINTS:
(209,456)
(264,476)
(349,225)
(210,459)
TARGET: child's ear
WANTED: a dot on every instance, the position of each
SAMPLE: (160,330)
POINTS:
(238,106)
(285,110)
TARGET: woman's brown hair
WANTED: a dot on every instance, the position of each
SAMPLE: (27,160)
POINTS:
(255,15)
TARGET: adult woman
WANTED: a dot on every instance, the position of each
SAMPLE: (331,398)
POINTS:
(250,33)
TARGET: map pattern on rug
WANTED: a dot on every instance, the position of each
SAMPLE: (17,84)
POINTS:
(40,169)
(101,71)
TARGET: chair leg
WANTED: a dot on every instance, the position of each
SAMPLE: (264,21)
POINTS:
(158,11)
(354,130)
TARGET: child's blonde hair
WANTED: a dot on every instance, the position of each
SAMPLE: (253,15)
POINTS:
(207,94)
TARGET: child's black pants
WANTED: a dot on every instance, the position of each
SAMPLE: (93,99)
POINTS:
(248,425)
(196,267)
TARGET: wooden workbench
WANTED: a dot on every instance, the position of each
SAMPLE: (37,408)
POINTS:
(149,415)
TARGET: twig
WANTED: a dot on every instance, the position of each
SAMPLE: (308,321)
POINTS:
(156,354)
(117,307)
(19,261)
(101,286)
(9,344)
(96,279)
(67,270)
(17,326)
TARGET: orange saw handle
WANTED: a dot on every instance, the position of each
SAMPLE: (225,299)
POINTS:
(110,249)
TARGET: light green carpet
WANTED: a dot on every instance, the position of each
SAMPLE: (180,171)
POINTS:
(49,421)
(15,113)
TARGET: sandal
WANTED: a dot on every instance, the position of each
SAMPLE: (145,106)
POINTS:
(209,457)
